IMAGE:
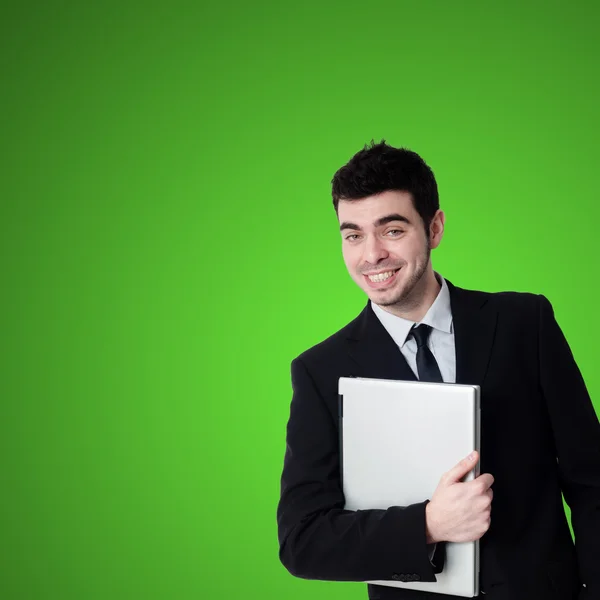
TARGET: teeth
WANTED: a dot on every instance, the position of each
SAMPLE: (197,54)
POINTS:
(380,276)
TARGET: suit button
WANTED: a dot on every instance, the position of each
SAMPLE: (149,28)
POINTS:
(395,577)
(409,577)
(416,577)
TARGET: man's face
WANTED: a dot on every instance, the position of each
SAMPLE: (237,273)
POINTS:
(385,247)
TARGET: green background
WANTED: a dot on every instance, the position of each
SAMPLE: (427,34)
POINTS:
(169,245)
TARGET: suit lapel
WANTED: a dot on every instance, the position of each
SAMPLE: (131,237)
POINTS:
(374,351)
(474,320)
(376,354)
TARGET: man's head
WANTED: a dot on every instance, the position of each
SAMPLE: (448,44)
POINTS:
(387,204)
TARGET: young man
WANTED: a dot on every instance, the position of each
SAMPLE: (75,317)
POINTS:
(540,433)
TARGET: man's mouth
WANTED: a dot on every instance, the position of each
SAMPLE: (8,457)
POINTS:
(381,277)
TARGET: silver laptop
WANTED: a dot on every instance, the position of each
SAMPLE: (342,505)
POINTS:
(397,439)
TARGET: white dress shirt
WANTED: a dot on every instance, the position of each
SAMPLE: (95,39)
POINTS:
(441,339)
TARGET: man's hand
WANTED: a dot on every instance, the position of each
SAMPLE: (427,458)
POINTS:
(460,511)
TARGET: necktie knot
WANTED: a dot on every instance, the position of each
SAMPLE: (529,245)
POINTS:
(421,334)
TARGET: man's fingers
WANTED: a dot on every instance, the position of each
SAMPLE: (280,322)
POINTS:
(457,472)
(485,479)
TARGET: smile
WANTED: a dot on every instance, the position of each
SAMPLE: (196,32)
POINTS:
(379,278)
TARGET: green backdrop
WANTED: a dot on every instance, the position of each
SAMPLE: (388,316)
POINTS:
(169,245)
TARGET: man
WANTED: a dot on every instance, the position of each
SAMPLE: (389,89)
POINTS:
(540,433)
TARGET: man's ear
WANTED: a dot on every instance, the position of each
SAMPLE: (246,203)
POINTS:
(436,229)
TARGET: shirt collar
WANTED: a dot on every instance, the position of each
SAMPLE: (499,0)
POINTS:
(439,316)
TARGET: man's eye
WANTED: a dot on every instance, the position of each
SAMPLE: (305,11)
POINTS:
(352,237)
(396,231)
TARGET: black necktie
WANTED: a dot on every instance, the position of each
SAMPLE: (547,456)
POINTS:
(426,364)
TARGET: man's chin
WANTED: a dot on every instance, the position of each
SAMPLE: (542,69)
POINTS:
(384,297)
(386,302)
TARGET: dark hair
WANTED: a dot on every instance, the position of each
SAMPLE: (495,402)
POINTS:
(379,168)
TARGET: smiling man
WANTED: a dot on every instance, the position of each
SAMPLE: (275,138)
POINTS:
(540,434)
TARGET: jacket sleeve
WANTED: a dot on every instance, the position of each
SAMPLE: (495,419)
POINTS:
(577,439)
(318,538)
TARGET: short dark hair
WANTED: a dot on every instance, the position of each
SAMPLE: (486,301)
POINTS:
(379,168)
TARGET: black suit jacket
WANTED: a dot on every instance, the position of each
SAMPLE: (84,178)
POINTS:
(540,436)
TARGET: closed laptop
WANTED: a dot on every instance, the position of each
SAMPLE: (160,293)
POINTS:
(397,439)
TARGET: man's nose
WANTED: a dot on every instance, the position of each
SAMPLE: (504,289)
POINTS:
(374,250)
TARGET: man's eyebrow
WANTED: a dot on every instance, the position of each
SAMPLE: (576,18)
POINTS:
(381,221)
(390,218)
(347,225)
